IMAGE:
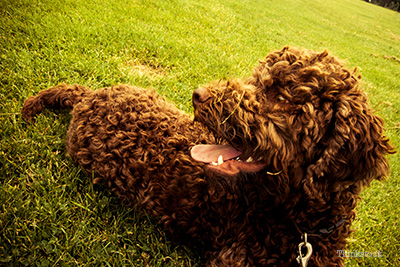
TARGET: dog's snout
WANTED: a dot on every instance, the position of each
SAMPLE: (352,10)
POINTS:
(200,95)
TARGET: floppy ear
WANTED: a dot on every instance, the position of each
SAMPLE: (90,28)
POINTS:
(354,148)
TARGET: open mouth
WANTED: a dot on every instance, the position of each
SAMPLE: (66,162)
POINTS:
(225,159)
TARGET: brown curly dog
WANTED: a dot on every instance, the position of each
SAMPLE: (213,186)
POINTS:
(272,180)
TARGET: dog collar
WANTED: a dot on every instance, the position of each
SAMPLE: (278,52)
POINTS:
(324,231)
(321,231)
(302,258)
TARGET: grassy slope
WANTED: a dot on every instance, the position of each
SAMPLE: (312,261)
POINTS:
(50,213)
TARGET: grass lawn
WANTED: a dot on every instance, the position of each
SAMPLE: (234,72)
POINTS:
(51,214)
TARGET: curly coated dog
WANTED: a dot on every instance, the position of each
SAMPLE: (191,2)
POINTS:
(267,174)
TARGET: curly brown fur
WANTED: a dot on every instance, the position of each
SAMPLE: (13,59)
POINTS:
(134,141)
(307,140)
(303,115)
(59,97)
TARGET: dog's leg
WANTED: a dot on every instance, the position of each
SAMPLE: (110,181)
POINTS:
(59,97)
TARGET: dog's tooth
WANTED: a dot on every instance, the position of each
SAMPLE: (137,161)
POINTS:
(249,160)
(220,160)
(214,163)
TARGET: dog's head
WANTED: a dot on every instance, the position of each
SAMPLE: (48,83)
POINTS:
(301,115)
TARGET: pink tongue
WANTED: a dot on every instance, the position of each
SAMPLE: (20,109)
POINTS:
(210,153)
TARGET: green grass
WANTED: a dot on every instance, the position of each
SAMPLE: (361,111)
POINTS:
(51,214)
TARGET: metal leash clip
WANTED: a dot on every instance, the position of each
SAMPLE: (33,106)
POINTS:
(303,260)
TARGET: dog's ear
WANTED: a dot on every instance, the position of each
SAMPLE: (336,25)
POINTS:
(354,148)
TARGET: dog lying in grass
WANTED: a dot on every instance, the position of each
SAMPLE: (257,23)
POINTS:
(268,173)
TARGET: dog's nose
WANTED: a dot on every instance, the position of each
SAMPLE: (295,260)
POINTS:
(200,95)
